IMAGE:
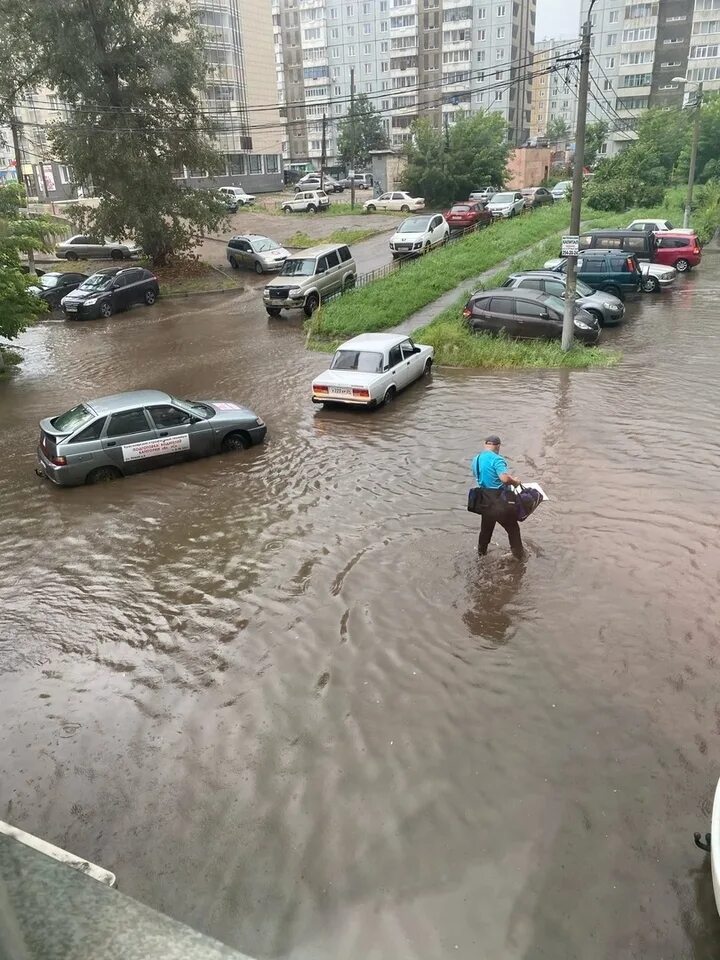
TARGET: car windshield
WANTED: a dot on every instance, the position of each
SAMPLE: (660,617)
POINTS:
(555,302)
(73,419)
(414,225)
(298,268)
(201,410)
(503,198)
(97,281)
(460,208)
(360,360)
(264,244)
(49,280)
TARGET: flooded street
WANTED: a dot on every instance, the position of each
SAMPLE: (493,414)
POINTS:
(281,698)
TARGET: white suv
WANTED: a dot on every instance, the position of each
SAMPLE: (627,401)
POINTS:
(307,201)
(418,235)
(237,194)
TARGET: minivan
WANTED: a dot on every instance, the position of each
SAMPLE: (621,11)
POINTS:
(642,244)
(310,277)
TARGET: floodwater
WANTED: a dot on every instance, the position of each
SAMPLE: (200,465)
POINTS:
(279,696)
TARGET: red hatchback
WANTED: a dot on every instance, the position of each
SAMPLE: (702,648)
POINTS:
(468,214)
(678,249)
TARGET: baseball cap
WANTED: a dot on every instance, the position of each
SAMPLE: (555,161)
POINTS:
(493,438)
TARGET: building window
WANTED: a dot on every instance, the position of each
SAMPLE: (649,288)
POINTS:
(610,40)
(500,35)
(367,28)
(639,33)
(335,33)
(367,68)
(704,53)
(609,62)
(614,16)
(481,34)
(481,56)
(366,49)
(351,31)
(64,174)
(481,13)
(236,164)
(501,9)
(498,95)
(500,54)
(272,163)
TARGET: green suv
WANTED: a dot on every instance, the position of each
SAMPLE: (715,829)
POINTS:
(616,273)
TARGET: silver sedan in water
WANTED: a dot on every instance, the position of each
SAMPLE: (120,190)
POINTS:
(114,436)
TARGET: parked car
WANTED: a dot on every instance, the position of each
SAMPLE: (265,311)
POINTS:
(483,196)
(607,309)
(238,195)
(506,204)
(641,243)
(395,200)
(110,437)
(535,197)
(369,370)
(465,216)
(260,254)
(311,181)
(230,202)
(307,201)
(52,287)
(526,314)
(309,278)
(679,250)
(108,291)
(81,247)
(363,181)
(561,190)
(418,235)
(606,270)
(658,226)
(653,276)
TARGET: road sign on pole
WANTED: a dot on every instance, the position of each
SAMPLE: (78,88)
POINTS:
(570,246)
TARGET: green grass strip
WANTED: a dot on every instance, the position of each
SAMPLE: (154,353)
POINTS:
(301,240)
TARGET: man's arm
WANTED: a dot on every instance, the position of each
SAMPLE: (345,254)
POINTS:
(509,479)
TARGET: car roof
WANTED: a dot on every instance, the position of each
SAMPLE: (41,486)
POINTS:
(680,234)
(117,402)
(623,232)
(249,236)
(507,292)
(549,274)
(374,341)
(110,271)
(319,251)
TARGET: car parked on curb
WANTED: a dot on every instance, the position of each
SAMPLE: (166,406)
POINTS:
(653,276)
(82,247)
(561,190)
(483,196)
(371,369)
(607,309)
(52,286)
(362,181)
(109,291)
(606,270)
(507,204)
(640,243)
(310,277)
(526,314)
(418,235)
(110,437)
(658,226)
(679,250)
(259,253)
(468,215)
(307,201)
(535,197)
(238,195)
(312,181)
(394,200)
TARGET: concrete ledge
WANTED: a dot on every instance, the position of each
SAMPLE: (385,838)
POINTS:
(62,856)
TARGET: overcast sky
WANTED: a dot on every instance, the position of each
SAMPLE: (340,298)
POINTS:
(557,18)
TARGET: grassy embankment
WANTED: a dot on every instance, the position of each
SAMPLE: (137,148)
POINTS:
(391,300)
(301,241)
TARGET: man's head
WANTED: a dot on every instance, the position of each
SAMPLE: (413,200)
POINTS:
(492,442)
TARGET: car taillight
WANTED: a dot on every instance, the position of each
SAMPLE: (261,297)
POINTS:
(321,389)
(696,249)
(360,392)
(467,313)
(58,461)
(630,264)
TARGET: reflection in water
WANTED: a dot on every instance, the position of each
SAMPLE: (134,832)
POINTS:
(278,694)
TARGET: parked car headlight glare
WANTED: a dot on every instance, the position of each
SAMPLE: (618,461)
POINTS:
(296,292)
(581,325)
(609,305)
(91,301)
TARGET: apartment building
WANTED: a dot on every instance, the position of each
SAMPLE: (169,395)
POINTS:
(433,58)
(239,96)
(553,95)
(638,48)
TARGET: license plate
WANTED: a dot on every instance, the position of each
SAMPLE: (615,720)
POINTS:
(343,391)
(71,308)
(403,246)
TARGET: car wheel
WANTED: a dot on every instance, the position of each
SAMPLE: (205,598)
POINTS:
(598,316)
(311,304)
(150,297)
(105,309)
(238,440)
(427,369)
(349,284)
(258,267)
(117,255)
(71,255)
(241,203)
(512,214)
(233,263)
(682,265)
(404,208)
(287,208)
(426,248)
(389,395)
(650,284)
(103,475)
(312,208)
(273,311)
(371,208)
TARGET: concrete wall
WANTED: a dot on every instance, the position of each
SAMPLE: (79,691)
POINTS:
(529,166)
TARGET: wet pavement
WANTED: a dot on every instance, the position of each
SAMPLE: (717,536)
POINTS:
(279,696)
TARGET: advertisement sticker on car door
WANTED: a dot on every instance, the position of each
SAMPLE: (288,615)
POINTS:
(155,448)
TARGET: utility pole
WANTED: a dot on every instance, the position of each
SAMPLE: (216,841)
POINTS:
(352,136)
(693,157)
(323,154)
(15,130)
(577,185)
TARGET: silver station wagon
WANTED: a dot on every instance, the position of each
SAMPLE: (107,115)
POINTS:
(111,437)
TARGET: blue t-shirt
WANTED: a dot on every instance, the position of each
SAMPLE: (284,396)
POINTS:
(486,466)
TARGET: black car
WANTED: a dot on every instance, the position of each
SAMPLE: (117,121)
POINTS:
(526,314)
(52,287)
(110,290)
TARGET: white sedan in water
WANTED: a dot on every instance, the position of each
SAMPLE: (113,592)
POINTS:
(395,200)
(370,369)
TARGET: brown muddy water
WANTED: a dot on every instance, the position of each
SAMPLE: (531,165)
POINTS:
(279,696)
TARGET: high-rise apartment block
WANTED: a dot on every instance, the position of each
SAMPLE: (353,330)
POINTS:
(637,50)
(553,93)
(432,58)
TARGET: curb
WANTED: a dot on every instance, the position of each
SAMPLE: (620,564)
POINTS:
(203,293)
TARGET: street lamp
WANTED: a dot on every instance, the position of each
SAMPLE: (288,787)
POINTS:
(693,151)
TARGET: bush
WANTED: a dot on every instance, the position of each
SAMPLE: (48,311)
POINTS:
(621,194)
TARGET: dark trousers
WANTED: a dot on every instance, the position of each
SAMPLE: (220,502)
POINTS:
(506,518)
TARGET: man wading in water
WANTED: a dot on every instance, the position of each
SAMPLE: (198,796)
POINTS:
(491,473)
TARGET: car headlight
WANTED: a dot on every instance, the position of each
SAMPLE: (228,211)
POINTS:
(295,292)
(91,302)
(266,292)
(581,325)
(609,305)
(416,246)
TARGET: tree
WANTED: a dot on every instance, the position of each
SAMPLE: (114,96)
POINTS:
(595,134)
(360,132)
(557,129)
(444,168)
(135,116)
(18,233)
